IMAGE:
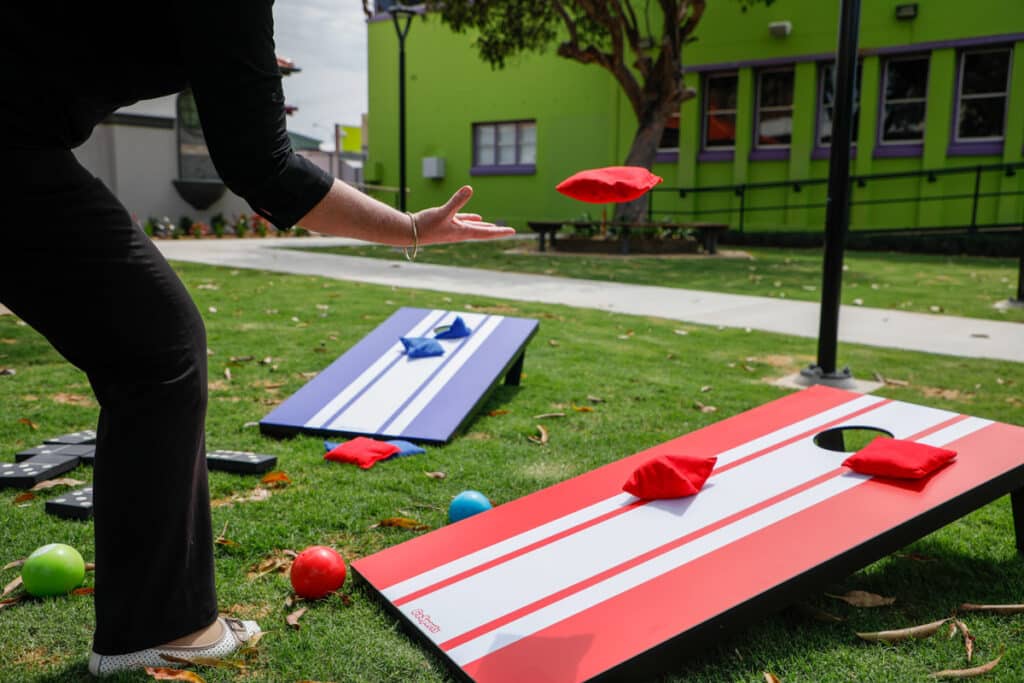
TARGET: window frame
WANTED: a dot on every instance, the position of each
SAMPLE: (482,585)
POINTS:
(718,152)
(761,152)
(900,148)
(670,154)
(820,150)
(978,146)
(518,168)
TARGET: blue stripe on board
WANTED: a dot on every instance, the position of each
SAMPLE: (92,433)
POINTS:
(449,356)
(345,406)
(439,419)
(308,400)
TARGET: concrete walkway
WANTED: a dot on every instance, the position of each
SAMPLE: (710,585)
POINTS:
(969,337)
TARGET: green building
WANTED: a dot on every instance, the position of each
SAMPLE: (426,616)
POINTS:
(939,129)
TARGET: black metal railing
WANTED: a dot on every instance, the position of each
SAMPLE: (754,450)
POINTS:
(745,190)
(970,223)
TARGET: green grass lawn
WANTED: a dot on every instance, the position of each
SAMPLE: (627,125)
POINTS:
(651,380)
(925,283)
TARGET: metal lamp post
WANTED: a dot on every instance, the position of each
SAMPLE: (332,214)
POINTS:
(402,18)
(837,212)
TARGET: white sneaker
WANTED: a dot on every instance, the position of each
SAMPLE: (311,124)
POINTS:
(235,634)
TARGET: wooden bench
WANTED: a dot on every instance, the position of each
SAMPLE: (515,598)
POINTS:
(707,233)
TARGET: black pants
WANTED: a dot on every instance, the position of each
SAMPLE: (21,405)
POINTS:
(76,269)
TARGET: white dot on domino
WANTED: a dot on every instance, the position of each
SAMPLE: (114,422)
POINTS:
(59,500)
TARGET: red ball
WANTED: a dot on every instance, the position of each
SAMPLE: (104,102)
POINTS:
(317,571)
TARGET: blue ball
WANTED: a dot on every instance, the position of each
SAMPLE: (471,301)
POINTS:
(467,504)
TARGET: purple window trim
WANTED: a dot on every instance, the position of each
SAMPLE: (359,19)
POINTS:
(819,152)
(1000,39)
(761,152)
(666,156)
(893,151)
(864,52)
(769,154)
(716,154)
(495,124)
(982,148)
(518,169)
(970,147)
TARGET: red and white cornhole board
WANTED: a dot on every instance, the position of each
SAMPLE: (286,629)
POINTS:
(582,581)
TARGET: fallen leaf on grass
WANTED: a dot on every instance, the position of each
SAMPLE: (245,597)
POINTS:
(436,475)
(967,673)
(582,409)
(23,498)
(85,590)
(227,374)
(968,638)
(401,523)
(276,479)
(922,631)
(72,399)
(51,483)
(818,614)
(916,557)
(280,561)
(12,565)
(994,609)
(28,423)
(293,618)
(255,496)
(12,601)
(771,678)
(11,587)
(543,438)
(8,371)
(163,673)
(238,360)
(595,399)
(90,566)
(543,416)
(496,413)
(863,599)
(704,408)
(552,342)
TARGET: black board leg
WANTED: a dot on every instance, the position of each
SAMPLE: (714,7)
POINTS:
(515,372)
(1017,503)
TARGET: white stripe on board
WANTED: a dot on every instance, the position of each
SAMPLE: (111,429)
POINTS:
(517,582)
(513,543)
(434,387)
(407,377)
(956,431)
(388,356)
(565,608)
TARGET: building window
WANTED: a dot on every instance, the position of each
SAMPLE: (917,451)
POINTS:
(904,90)
(983,87)
(720,112)
(774,108)
(670,136)
(194,161)
(507,147)
(826,104)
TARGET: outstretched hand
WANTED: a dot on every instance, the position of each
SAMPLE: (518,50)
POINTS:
(445,224)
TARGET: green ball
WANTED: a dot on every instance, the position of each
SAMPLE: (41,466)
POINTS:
(53,569)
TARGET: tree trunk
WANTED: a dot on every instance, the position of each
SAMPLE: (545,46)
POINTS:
(642,153)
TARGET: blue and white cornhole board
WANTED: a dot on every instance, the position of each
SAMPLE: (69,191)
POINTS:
(376,390)
(581,581)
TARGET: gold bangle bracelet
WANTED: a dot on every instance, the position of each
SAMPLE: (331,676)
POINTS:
(415,238)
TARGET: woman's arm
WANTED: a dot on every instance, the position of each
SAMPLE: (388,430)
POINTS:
(347,212)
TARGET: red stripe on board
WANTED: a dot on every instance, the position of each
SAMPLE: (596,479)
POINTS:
(799,437)
(640,559)
(619,629)
(443,545)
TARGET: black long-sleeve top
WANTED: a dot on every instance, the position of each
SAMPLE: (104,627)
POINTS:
(67,65)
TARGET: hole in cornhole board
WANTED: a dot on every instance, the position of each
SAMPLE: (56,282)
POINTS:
(848,439)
